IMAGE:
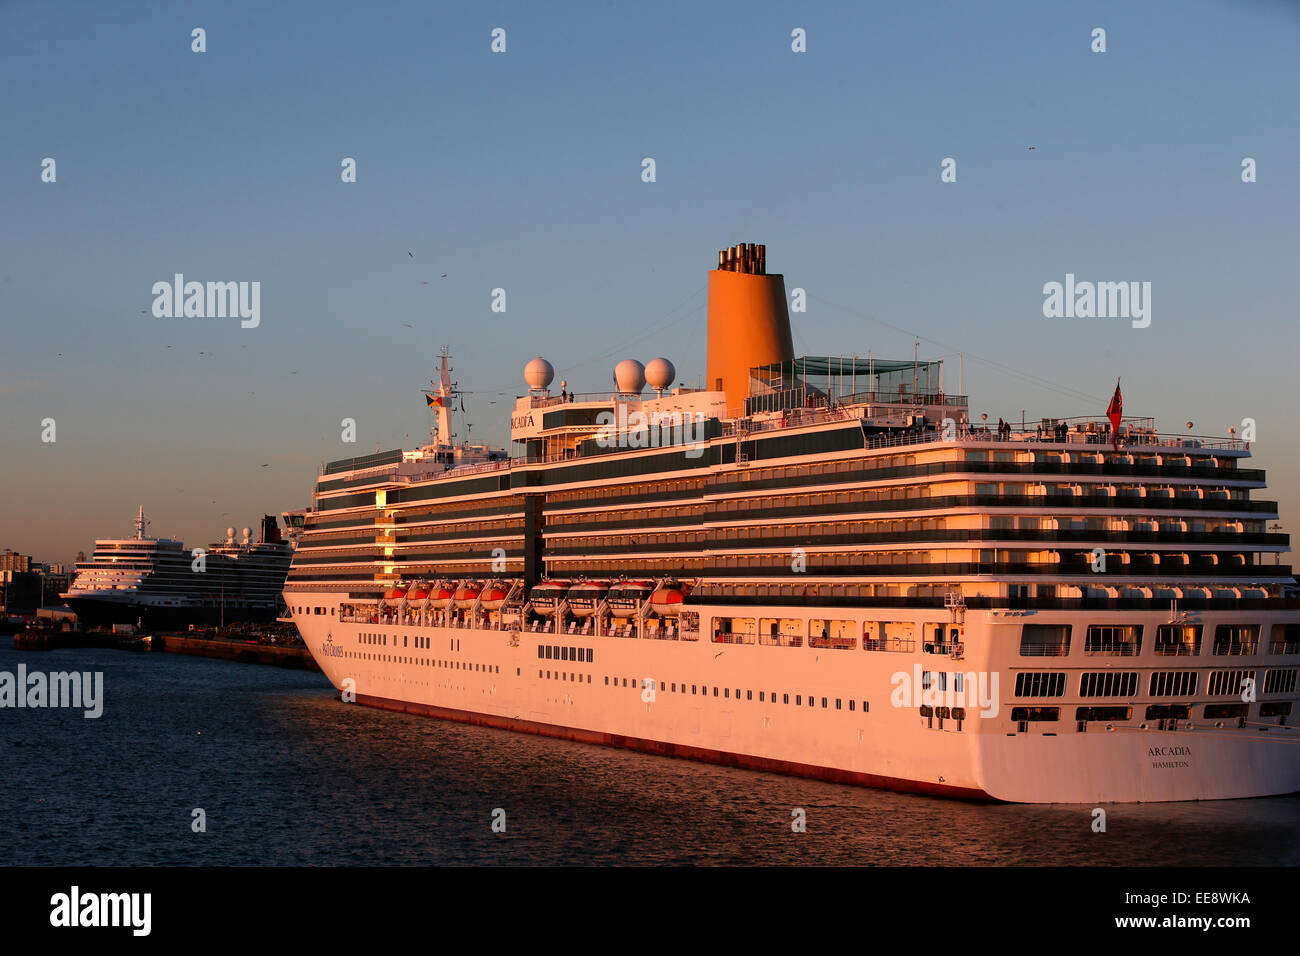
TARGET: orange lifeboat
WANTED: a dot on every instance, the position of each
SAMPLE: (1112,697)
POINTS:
(547,596)
(625,597)
(465,596)
(667,600)
(492,597)
(585,596)
(416,594)
(443,596)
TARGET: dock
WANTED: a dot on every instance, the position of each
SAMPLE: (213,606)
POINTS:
(292,656)
(295,657)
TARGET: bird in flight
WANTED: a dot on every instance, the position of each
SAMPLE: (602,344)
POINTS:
(410,253)
(1033,147)
(408,324)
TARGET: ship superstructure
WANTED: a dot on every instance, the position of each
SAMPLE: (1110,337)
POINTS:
(163,584)
(819,565)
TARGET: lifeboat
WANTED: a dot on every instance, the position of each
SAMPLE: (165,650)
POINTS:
(625,597)
(667,599)
(416,595)
(493,596)
(465,596)
(585,596)
(395,594)
(546,597)
(442,597)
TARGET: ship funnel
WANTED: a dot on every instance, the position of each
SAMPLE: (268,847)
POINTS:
(749,322)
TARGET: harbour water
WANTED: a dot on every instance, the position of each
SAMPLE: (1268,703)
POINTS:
(286,774)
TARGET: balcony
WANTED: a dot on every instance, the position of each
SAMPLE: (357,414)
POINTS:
(1044,650)
(1112,650)
(1235,648)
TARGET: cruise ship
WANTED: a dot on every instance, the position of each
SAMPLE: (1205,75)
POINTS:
(158,583)
(820,566)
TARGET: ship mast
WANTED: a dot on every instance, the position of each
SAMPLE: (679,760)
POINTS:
(141,522)
(443,393)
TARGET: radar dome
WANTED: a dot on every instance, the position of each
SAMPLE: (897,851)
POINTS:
(659,374)
(230,532)
(539,373)
(629,376)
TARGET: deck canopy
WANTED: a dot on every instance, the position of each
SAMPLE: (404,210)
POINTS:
(847,379)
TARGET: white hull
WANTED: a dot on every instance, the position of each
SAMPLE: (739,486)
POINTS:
(492,677)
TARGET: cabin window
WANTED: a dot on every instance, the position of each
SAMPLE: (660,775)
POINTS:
(782,632)
(1108,639)
(1178,639)
(1045,640)
(1026,714)
(1236,639)
(832,634)
(1108,684)
(1280,681)
(1229,682)
(1036,684)
(735,630)
(1173,683)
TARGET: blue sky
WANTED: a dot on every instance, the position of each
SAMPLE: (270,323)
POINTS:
(522,171)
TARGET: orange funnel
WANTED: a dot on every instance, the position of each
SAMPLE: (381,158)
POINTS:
(749,322)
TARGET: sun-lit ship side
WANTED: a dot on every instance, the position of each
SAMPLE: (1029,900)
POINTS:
(835,575)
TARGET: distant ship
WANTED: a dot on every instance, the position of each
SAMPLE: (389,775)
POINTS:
(837,575)
(160,583)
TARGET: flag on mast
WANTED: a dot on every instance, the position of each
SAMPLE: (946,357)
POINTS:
(433,401)
(1115,412)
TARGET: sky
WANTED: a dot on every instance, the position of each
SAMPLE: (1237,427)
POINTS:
(522,170)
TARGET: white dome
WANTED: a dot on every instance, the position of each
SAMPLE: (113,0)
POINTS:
(538,373)
(629,376)
(230,532)
(659,374)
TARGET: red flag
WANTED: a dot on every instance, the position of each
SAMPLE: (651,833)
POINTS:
(1115,412)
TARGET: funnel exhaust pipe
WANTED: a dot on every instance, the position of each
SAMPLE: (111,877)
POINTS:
(747,258)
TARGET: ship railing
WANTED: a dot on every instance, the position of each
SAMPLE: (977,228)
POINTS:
(894,645)
(457,471)
(1234,648)
(1044,650)
(1141,434)
(546,401)
(1284,647)
(1112,650)
(953,649)
(1175,650)
(375,471)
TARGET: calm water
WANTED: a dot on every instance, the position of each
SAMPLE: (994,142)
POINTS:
(289,775)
